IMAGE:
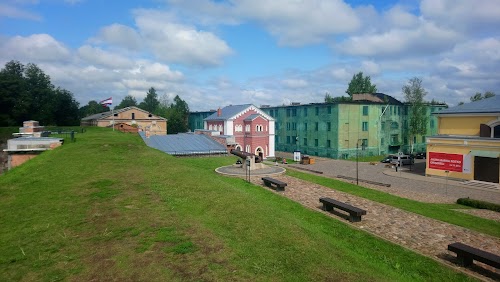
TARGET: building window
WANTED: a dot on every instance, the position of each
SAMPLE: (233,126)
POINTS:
(317,110)
(329,126)
(394,125)
(316,142)
(287,112)
(294,126)
(423,139)
(247,128)
(294,112)
(365,126)
(329,109)
(432,123)
(288,139)
(305,126)
(287,126)
(382,125)
(238,128)
(258,128)
(133,115)
(316,126)
(399,111)
(394,139)
(305,112)
(305,141)
(414,139)
(328,143)
(365,110)
(364,143)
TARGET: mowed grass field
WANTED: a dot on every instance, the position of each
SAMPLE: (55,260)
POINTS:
(107,207)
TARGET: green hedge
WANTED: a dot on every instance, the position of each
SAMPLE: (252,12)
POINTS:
(478,204)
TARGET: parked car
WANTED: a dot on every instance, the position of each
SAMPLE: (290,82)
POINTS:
(404,159)
(421,155)
(387,159)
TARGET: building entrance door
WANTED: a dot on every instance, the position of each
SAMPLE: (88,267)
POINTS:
(486,169)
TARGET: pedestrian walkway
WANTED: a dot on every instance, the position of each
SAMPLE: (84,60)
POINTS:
(424,235)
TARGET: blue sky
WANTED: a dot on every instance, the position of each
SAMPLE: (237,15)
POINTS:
(216,53)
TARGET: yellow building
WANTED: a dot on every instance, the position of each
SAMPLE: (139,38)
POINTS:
(133,116)
(468,142)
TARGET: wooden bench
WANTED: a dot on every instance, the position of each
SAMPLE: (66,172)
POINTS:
(466,254)
(280,185)
(354,212)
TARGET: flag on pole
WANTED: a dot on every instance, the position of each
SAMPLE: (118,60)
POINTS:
(108,102)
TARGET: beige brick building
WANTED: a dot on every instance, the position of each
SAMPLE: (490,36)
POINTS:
(133,116)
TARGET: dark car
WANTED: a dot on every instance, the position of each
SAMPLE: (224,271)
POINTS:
(387,159)
(420,155)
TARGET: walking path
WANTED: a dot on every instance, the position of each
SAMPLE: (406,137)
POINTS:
(427,236)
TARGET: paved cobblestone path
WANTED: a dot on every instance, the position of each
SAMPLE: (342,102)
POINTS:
(427,236)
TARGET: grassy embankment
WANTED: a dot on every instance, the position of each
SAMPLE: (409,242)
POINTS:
(108,207)
(443,212)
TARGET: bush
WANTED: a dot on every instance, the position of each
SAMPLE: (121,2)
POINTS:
(478,204)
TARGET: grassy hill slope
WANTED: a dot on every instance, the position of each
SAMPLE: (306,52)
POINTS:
(108,207)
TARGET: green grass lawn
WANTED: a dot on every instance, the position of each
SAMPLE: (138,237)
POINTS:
(443,212)
(106,207)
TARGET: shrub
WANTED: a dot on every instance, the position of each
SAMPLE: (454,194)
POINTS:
(478,204)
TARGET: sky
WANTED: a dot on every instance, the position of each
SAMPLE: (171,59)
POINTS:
(214,53)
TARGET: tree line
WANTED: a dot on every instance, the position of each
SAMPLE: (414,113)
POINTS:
(27,93)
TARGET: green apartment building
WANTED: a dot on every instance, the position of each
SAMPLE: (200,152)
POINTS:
(373,124)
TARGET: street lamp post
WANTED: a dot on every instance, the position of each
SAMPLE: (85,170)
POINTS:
(357,173)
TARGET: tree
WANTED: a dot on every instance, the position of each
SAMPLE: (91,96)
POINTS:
(414,94)
(479,96)
(330,99)
(177,116)
(65,108)
(360,84)
(12,87)
(150,102)
(128,101)
(91,108)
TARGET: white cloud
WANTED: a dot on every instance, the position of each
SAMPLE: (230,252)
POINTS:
(119,35)
(293,23)
(160,72)
(34,48)
(468,15)
(294,83)
(10,11)
(97,56)
(424,39)
(175,42)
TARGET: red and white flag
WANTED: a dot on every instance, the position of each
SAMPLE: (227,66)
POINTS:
(108,102)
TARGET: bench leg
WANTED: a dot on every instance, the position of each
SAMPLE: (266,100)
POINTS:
(354,218)
(464,260)
(267,183)
(280,188)
(327,207)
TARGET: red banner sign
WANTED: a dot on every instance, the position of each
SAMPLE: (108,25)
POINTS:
(444,161)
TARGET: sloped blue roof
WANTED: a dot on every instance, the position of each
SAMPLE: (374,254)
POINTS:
(184,144)
(228,112)
(488,105)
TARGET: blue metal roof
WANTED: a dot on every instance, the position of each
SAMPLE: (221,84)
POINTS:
(488,105)
(228,112)
(184,144)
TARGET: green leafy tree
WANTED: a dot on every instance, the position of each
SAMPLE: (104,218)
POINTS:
(128,101)
(177,116)
(479,96)
(150,102)
(414,94)
(360,84)
(65,108)
(12,88)
(92,108)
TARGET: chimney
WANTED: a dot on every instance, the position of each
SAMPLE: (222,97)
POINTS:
(219,112)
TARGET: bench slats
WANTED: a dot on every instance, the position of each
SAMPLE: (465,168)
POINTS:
(354,212)
(465,255)
(279,184)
